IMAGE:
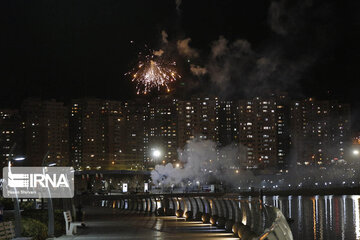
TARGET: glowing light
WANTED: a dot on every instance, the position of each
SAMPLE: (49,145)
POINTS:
(153,72)
(156,153)
(356,207)
(356,152)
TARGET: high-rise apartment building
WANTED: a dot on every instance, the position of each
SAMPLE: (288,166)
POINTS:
(319,131)
(101,134)
(162,130)
(137,135)
(87,133)
(46,132)
(97,134)
(198,117)
(11,135)
(258,132)
(283,136)
(228,125)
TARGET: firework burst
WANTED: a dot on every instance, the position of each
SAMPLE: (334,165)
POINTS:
(153,72)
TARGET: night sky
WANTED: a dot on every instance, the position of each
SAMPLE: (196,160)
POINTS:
(68,49)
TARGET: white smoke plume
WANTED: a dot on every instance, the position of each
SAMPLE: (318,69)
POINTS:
(202,162)
(197,70)
(185,50)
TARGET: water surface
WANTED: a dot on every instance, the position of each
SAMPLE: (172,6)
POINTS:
(321,217)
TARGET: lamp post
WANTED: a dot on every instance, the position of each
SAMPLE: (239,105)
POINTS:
(156,154)
(17,214)
(356,152)
(49,201)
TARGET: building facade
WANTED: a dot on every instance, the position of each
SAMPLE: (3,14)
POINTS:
(11,135)
(258,132)
(274,132)
(46,131)
(320,131)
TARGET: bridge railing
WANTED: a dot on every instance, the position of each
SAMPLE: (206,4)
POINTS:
(246,218)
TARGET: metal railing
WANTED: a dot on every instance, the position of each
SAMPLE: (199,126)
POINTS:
(246,218)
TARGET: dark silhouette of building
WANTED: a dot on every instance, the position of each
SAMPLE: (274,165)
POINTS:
(11,135)
(46,132)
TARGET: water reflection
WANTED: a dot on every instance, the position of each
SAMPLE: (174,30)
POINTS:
(356,206)
(321,217)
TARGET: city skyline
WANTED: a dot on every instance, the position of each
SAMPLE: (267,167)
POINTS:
(68,63)
(99,133)
(180,119)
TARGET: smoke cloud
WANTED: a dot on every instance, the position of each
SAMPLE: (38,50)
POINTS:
(283,16)
(185,50)
(197,70)
(229,61)
(203,162)
(219,47)
(241,68)
(178,3)
(276,16)
(235,68)
(164,36)
(159,52)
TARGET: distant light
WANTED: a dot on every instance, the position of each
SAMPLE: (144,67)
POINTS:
(52,164)
(19,158)
(156,153)
(177,165)
(356,152)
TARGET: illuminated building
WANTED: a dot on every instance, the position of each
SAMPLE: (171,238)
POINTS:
(319,131)
(283,137)
(162,130)
(228,116)
(46,132)
(198,117)
(136,134)
(10,133)
(96,133)
(258,132)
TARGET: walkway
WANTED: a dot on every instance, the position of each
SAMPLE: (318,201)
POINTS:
(107,223)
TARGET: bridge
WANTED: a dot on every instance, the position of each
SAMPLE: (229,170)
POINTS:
(207,213)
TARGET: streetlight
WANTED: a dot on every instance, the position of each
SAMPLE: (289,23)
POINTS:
(49,200)
(17,213)
(356,152)
(156,153)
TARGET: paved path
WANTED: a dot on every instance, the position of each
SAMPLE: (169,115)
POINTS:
(106,223)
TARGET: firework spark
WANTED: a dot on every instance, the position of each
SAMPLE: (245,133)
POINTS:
(153,72)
